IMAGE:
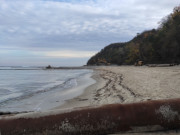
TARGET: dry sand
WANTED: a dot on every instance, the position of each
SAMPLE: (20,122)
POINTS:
(128,84)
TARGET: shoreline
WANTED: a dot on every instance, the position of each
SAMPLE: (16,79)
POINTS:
(84,86)
(85,99)
(114,85)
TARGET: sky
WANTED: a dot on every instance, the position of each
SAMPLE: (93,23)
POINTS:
(69,32)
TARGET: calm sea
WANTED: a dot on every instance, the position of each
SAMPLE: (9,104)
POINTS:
(36,89)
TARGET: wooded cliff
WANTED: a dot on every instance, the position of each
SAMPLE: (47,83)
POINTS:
(158,46)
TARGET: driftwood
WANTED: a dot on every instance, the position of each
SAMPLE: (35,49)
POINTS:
(135,117)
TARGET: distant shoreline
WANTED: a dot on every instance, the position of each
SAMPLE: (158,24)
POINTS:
(44,68)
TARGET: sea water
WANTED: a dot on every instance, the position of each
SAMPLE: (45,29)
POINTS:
(36,89)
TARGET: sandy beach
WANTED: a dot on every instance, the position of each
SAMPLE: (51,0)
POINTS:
(120,85)
(129,84)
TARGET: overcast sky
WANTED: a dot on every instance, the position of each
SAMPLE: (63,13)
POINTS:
(69,32)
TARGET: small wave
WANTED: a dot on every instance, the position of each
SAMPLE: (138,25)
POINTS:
(72,82)
(4,91)
(20,96)
(8,97)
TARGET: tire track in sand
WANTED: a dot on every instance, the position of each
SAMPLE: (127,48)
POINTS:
(113,91)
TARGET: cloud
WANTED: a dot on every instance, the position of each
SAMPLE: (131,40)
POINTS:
(67,54)
(76,25)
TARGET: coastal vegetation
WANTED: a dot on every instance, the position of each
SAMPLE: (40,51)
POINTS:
(158,46)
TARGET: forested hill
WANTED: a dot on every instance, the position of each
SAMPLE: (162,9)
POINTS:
(160,46)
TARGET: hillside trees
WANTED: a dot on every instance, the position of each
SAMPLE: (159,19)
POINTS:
(155,46)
